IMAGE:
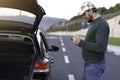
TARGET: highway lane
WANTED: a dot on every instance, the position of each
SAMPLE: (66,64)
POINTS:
(113,67)
(68,63)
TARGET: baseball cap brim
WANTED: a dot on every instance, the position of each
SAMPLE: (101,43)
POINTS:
(81,13)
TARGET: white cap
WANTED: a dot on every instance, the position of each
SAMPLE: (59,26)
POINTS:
(86,6)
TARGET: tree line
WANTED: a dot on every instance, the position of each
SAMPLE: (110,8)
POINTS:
(74,23)
(104,11)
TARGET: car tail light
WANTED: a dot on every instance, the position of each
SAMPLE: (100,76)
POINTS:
(41,66)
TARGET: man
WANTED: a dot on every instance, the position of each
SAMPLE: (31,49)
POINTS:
(95,44)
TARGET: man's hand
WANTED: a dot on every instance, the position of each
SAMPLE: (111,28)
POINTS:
(76,40)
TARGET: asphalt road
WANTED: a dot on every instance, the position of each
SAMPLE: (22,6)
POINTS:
(68,62)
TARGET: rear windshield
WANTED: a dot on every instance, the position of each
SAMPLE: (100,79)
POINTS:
(16,15)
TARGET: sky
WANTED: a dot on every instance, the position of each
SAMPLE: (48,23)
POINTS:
(68,8)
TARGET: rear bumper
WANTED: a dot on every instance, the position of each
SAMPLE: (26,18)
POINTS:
(41,75)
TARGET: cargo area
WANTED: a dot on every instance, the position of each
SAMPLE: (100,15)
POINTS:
(15,59)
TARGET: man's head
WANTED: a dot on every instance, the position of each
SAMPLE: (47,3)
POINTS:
(88,10)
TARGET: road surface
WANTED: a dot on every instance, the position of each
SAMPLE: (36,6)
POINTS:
(68,62)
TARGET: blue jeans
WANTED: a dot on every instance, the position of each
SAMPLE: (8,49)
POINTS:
(94,71)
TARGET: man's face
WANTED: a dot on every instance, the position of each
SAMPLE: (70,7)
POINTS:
(88,16)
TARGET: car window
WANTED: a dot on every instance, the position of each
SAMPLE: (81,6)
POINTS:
(16,15)
(43,49)
(44,40)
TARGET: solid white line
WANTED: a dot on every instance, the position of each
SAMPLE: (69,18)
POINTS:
(51,37)
(66,59)
(71,77)
(63,49)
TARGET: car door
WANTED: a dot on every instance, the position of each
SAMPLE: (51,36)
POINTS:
(43,44)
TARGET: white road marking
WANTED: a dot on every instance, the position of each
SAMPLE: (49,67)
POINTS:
(71,77)
(66,59)
(51,37)
(62,44)
(63,49)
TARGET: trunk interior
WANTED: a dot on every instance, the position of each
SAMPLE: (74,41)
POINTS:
(15,60)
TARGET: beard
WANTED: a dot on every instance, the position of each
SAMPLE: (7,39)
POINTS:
(90,19)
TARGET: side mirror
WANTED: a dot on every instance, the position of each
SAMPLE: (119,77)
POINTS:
(54,48)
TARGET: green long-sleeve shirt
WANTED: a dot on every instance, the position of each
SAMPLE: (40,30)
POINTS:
(95,44)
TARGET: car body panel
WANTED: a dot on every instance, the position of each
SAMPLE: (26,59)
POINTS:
(13,26)
(23,45)
(25,5)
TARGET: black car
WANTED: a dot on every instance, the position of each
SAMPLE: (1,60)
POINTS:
(24,51)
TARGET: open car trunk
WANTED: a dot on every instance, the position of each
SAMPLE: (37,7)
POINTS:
(15,60)
(29,6)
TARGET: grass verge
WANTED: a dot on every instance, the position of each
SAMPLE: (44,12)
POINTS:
(114,41)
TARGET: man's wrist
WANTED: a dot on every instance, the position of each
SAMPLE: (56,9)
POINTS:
(81,42)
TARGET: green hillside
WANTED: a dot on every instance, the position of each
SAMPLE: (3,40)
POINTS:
(75,22)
